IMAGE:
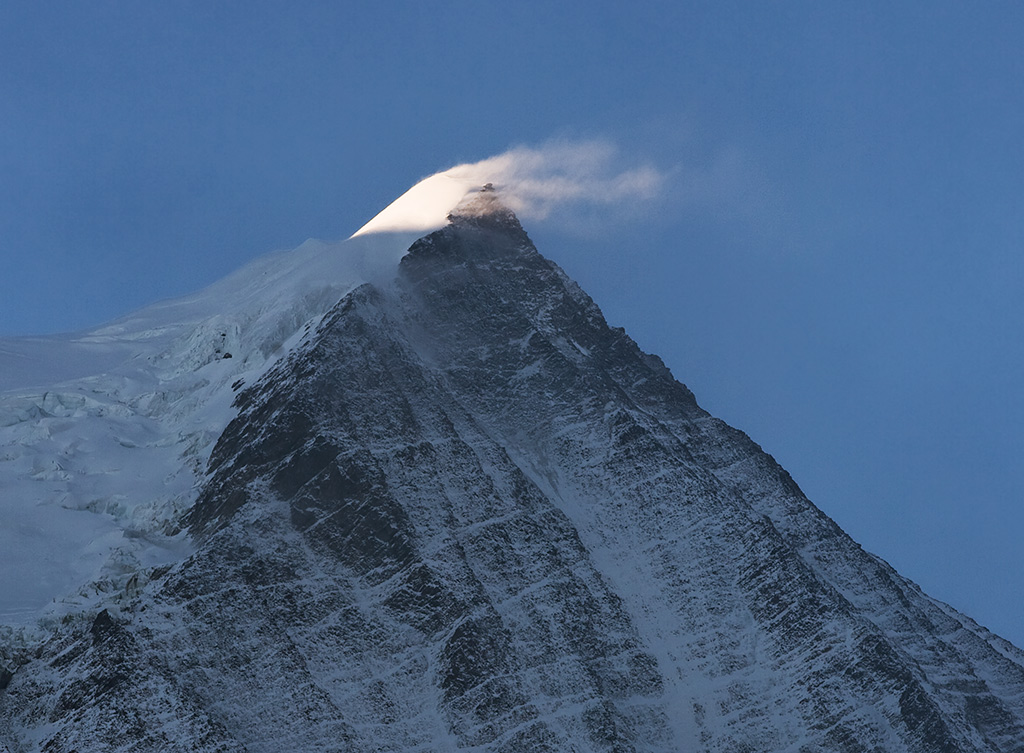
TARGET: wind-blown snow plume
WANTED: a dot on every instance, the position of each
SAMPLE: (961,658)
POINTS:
(533,181)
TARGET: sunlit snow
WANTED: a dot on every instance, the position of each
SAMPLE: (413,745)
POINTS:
(422,208)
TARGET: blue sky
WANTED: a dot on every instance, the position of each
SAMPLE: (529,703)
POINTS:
(834,263)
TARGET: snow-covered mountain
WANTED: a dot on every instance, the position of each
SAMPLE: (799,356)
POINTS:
(411,492)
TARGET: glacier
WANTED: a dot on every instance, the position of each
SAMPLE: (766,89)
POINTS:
(118,421)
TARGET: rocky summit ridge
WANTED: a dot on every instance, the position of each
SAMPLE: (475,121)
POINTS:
(462,512)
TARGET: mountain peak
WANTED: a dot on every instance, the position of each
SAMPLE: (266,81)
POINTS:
(484,207)
(438,200)
(452,508)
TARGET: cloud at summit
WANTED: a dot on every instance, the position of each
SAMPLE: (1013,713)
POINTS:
(557,177)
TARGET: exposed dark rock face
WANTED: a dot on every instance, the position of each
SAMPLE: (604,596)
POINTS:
(467,513)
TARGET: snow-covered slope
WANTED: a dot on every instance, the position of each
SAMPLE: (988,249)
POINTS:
(104,434)
(456,510)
